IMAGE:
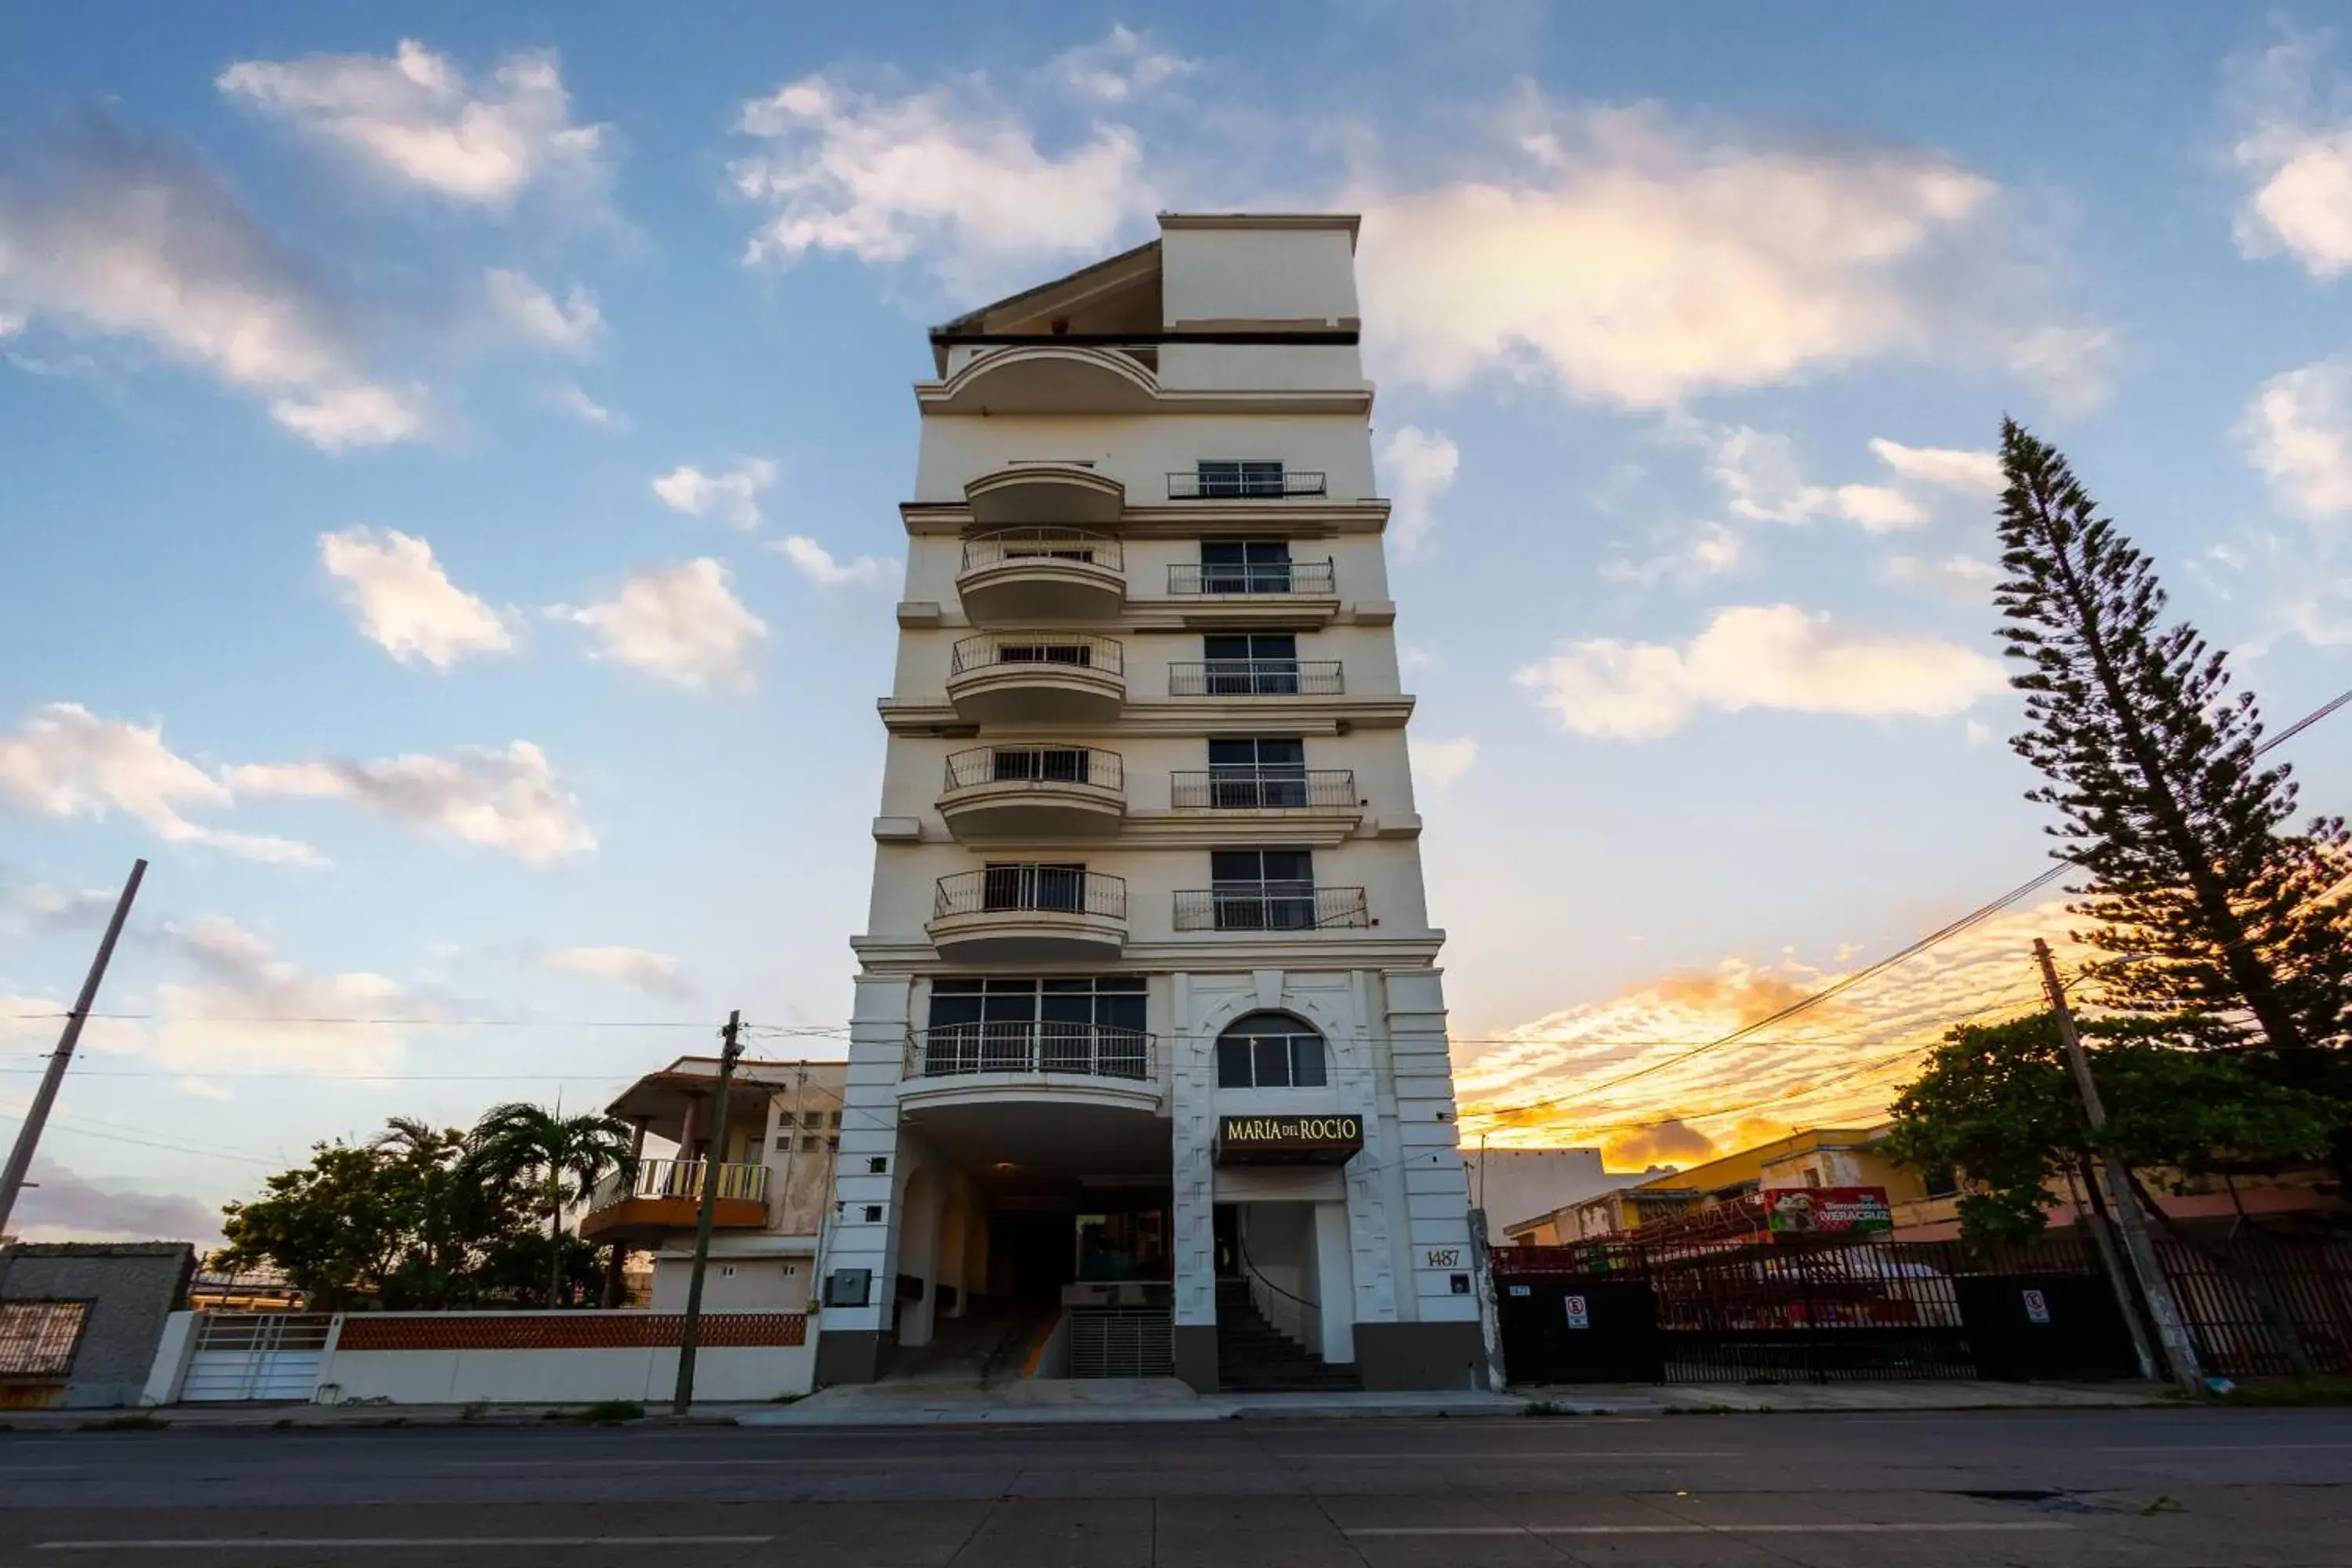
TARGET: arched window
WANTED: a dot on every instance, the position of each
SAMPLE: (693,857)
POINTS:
(1270,1051)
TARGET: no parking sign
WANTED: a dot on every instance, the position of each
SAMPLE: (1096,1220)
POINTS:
(1579,1316)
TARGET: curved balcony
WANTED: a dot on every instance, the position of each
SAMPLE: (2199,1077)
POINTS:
(1033,791)
(1042,575)
(1029,912)
(1066,495)
(1024,1098)
(1047,377)
(665,1195)
(1037,678)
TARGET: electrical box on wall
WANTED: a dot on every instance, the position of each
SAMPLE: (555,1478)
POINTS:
(848,1287)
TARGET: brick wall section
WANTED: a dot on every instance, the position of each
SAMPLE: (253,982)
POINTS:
(580,1331)
(132,1287)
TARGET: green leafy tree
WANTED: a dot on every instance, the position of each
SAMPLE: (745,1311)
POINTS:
(340,1227)
(2213,910)
(1998,1104)
(558,1158)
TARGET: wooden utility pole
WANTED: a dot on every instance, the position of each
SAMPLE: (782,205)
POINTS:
(2171,1329)
(704,1217)
(28,1137)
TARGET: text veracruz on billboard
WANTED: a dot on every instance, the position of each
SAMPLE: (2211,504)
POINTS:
(1826,1210)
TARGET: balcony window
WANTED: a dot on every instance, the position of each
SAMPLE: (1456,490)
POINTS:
(1245,566)
(1046,653)
(1258,774)
(1251,664)
(1270,1051)
(1263,890)
(1246,479)
(1049,764)
(1001,1024)
(1034,885)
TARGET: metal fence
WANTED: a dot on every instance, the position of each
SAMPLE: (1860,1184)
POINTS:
(1271,907)
(1059,890)
(1251,481)
(2248,1301)
(1256,678)
(1034,764)
(1013,545)
(1190,579)
(1029,1046)
(1082,650)
(1264,788)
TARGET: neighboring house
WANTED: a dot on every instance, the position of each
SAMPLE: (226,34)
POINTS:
(1822,1157)
(1149,1062)
(79,1322)
(774,1165)
(1517,1185)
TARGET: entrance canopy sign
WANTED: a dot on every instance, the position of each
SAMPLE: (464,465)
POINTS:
(1288,1140)
(1826,1210)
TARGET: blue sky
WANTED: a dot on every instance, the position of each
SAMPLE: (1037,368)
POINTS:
(448,461)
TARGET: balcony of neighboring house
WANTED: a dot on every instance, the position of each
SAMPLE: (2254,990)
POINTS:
(1028,678)
(1017,575)
(665,1195)
(1033,791)
(1029,911)
(1232,480)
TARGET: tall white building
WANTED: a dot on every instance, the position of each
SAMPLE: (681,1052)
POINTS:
(1149,1066)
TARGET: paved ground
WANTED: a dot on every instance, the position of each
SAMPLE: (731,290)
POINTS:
(2093,1488)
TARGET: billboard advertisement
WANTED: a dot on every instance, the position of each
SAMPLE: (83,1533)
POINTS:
(1826,1210)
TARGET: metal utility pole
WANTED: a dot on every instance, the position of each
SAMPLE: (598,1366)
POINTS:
(691,1328)
(28,1137)
(2172,1330)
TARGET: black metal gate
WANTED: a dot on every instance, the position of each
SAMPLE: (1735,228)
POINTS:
(1811,1310)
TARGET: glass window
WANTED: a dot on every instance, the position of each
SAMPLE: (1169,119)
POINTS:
(1257,773)
(1245,566)
(1226,478)
(1252,664)
(1270,1051)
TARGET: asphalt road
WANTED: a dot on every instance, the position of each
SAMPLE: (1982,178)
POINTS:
(2234,1489)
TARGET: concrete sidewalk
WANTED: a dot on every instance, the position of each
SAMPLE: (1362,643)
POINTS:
(1054,1402)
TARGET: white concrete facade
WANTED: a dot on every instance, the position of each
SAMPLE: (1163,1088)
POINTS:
(1116,408)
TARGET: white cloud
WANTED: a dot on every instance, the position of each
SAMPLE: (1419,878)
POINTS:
(950,174)
(2073,365)
(1761,478)
(656,973)
(681,623)
(733,497)
(1969,473)
(1776,657)
(1978,733)
(137,239)
(1437,764)
(417,119)
(1965,580)
(1710,551)
(245,1008)
(510,800)
(818,565)
(59,1205)
(348,417)
(570,400)
(570,325)
(2294,147)
(1119,66)
(2298,433)
(1421,465)
(67,762)
(1633,264)
(404,601)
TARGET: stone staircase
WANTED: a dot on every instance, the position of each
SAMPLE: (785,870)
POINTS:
(1256,1357)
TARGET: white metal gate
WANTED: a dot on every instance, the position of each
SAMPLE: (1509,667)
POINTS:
(254,1356)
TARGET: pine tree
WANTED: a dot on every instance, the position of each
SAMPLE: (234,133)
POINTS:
(2214,911)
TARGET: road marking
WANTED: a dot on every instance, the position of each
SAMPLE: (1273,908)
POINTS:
(1929,1527)
(1527,1454)
(262,1542)
(2205,1448)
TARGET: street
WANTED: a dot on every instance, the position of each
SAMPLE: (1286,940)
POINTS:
(2232,1490)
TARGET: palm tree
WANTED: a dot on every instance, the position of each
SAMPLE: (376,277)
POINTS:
(563,1158)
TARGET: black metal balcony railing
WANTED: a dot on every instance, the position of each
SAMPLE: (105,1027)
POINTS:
(1227,485)
(1012,545)
(1255,677)
(1194,579)
(1263,788)
(1079,649)
(1270,906)
(1056,890)
(1029,1046)
(1035,764)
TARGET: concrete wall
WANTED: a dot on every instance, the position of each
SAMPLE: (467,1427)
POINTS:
(132,1289)
(646,1375)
